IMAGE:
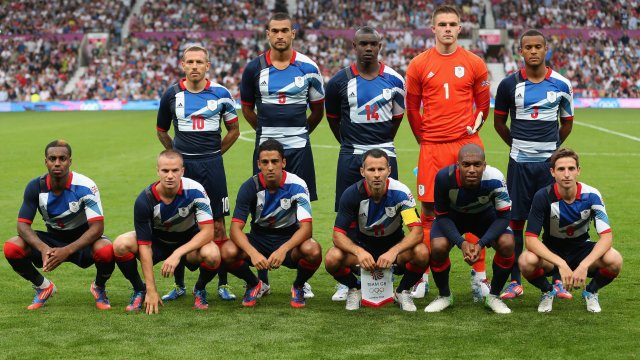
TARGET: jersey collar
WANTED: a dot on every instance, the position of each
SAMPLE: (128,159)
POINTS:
(155,193)
(267,56)
(264,183)
(559,197)
(369,193)
(546,77)
(354,69)
(67,186)
(183,87)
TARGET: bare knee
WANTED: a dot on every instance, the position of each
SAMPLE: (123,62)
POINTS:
(311,251)
(333,260)
(439,249)
(125,243)
(229,252)
(528,262)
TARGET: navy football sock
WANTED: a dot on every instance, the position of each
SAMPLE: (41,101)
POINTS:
(346,277)
(305,272)
(25,268)
(263,275)
(222,277)
(104,271)
(243,272)
(205,277)
(501,269)
(128,265)
(519,242)
(540,281)
(178,274)
(601,278)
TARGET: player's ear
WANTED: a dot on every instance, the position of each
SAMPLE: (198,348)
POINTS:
(362,171)
(284,163)
(293,33)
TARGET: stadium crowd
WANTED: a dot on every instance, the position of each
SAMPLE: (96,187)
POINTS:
(539,14)
(31,17)
(137,68)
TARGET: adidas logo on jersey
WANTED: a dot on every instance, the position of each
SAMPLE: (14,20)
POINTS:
(179,105)
(263,83)
(431,74)
(352,95)
(519,95)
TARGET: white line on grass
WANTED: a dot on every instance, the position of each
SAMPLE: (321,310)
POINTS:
(607,131)
(417,148)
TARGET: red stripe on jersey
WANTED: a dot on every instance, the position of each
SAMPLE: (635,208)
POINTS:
(97,218)
(236,220)
(306,220)
(498,112)
(568,118)
(506,208)
(232,120)
(606,231)
(398,116)
(26,221)
(531,234)
(161,129)
(417,223)
(317,101)
(247,103)
(206,222)
(332,116)
(144,242)
(342,231)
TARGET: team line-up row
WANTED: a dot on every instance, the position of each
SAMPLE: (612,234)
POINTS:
(446,96)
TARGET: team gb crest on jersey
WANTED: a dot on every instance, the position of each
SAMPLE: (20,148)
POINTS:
(285,203)
(390,211)
(552,96)
(483,199)
(212,105)
(183,211)
(299,81)
(386,94)
(459,71)
(74,206)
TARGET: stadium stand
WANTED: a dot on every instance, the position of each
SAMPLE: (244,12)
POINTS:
(143,64)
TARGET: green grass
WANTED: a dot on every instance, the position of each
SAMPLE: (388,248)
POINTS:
(117,150)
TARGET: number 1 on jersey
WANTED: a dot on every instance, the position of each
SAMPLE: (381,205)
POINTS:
(446,91)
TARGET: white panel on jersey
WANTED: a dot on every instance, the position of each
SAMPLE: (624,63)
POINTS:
(180,105)
(386,147)
(289,137)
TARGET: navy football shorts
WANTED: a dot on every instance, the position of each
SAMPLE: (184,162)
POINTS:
(477,224)
(523,181)
(573,253)
(83,257)
(209,172)
(348,173)
(299,162)
(267,246)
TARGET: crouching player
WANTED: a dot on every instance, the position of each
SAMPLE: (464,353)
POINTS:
(377,205)
(70,206)
(471,197)
(564,210)
(278,202)
(173,222)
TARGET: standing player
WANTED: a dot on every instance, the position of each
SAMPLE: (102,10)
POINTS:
(197,108)
(564,210)
(280,84)
(447,81)
(173,222)
(534,97)
(278,202)
(378,205)
(71,209)
(471,197)
(365,105)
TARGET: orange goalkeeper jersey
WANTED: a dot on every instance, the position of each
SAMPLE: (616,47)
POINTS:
(447,86)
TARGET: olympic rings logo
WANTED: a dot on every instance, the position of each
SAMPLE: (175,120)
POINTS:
(376,291)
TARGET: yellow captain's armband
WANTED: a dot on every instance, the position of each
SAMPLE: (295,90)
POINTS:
(410,216)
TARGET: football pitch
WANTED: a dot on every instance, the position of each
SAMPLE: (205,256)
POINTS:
(118,149)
